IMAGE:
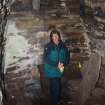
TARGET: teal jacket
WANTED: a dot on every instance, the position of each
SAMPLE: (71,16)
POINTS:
(53,54)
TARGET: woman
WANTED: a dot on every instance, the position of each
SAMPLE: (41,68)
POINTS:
(56,57)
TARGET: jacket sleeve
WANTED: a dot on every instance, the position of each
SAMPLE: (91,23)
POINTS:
(67,54)
(46,59)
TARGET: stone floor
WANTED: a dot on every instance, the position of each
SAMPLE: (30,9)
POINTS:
(95,32)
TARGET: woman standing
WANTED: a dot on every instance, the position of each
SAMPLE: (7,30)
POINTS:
(56,57)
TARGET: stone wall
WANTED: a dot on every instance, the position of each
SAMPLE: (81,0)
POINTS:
(4,12)
(22,61)
(36,4)
(90,71)
(30,35)
(95,34)
(97,7)
(21,5)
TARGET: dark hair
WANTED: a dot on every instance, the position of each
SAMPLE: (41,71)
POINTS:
(55,32)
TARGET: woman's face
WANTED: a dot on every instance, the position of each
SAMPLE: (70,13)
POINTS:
(55,39)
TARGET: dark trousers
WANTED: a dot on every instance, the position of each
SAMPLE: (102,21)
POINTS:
(55,90)
(50,87)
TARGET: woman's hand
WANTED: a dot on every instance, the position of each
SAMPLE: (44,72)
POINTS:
(61,66)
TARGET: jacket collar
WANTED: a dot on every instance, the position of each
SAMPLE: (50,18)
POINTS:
(59,45)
